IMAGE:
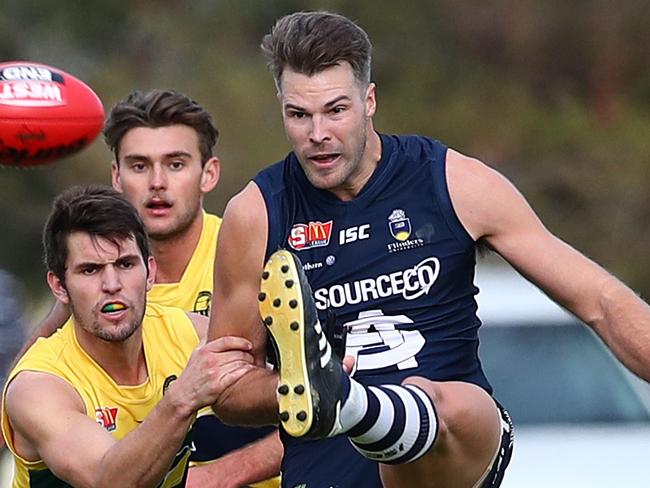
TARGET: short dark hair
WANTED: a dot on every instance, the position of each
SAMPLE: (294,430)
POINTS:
(160,108)
(310,42)
(97,210)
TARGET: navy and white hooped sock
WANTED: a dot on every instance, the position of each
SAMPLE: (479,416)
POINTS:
(392,424)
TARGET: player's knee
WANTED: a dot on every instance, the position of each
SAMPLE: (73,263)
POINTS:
(461,408)
(434,392)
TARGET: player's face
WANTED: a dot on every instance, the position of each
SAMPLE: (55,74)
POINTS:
(105,285)
(328,120)
(159,171)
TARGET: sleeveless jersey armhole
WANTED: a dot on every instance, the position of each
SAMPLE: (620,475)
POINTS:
(441,193)
(272,215)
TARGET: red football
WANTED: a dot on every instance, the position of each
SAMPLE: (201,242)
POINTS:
(45,114)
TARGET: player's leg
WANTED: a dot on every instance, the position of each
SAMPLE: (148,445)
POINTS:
(467,443)
(424,433)
(444,434)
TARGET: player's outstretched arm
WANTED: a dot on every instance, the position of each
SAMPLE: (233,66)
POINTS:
(238,269)
(491,209)
(57,316)
(255,462)
(80,452)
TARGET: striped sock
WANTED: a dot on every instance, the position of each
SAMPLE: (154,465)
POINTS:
(392,424)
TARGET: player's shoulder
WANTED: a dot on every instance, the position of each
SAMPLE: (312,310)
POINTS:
(45,366)
(49,350)
(36,384)
(277,177)
(169,325)
(212,218)
(278,168)
(155,312)
(212,222)
(415,149)
(412,141)
(469,172)
(482,197)
(247,207)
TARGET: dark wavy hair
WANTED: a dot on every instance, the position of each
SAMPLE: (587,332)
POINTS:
(310,42)
(160,108)
(97,210)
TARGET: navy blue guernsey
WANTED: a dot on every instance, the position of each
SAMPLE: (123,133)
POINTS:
(395,265)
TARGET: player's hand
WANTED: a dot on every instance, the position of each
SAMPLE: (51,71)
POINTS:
(212,368)
(348,364)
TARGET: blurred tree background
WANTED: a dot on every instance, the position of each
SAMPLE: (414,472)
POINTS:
(554,94)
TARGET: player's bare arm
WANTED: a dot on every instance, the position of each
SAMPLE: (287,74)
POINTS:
(255,462)
(237,467)
(76,449)
(237,275)
(507,223)
(55,319)
(79,451)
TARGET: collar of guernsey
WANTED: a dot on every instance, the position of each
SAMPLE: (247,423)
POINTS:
(198,275)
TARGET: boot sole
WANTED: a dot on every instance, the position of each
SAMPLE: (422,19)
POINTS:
(282,311)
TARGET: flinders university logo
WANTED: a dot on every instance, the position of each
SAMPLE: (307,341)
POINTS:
(399,225)
(400,228)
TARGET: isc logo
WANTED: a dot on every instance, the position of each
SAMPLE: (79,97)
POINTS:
(356,233)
